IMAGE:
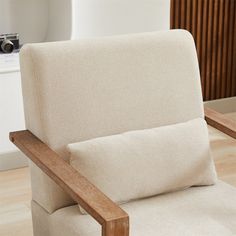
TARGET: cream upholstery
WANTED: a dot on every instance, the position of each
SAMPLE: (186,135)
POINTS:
(78,90)
(135,164)
(197,211)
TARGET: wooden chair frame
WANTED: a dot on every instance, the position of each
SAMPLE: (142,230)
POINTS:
(220,122)
(114,220)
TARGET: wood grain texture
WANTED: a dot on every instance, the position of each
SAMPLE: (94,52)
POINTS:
(117,227)
(213,26)
(114,221)
(220,122)
(15,197)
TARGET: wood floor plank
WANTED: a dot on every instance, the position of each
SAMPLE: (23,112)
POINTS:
(15,196)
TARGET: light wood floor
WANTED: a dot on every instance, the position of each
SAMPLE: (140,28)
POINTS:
(15,193)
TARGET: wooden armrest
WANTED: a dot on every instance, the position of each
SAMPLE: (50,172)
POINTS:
(220,122)
(114,221)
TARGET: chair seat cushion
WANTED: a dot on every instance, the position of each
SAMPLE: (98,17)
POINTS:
(208,210)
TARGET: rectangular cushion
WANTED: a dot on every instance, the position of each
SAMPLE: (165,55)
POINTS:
(148,162)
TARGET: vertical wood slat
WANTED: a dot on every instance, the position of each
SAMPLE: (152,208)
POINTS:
(203,47)
(199,27)
(233,68)
(208,78)
(230,48)
(213,26)
(188,15)
(219,49)
(225,48)
(214,49)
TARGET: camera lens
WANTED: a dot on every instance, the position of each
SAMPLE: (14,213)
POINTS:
(7,46)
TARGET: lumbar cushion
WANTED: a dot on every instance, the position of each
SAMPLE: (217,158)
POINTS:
(148,162)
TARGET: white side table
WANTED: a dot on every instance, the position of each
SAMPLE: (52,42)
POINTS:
(11,111)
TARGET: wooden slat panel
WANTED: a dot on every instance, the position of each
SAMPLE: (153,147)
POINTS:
(230,49)
(209,49)
(203,59)
(219,48)
(225,47)
(177,14)
(189,15)
(194,18)
(183,13)
(213,26)
(233,76)
(214,49)
(199,28)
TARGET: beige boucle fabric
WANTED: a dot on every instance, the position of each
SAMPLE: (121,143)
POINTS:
(196,211)
(83,89)
(144,163)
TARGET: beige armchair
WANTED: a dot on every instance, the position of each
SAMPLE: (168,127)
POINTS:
(78,90)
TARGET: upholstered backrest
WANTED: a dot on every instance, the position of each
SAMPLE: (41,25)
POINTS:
(83,89)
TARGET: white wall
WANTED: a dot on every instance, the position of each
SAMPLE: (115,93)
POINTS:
(59,20)
(108,17)
(29,18)
(51,20)
(36,20)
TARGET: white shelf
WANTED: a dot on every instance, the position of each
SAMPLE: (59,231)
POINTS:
(9,63)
